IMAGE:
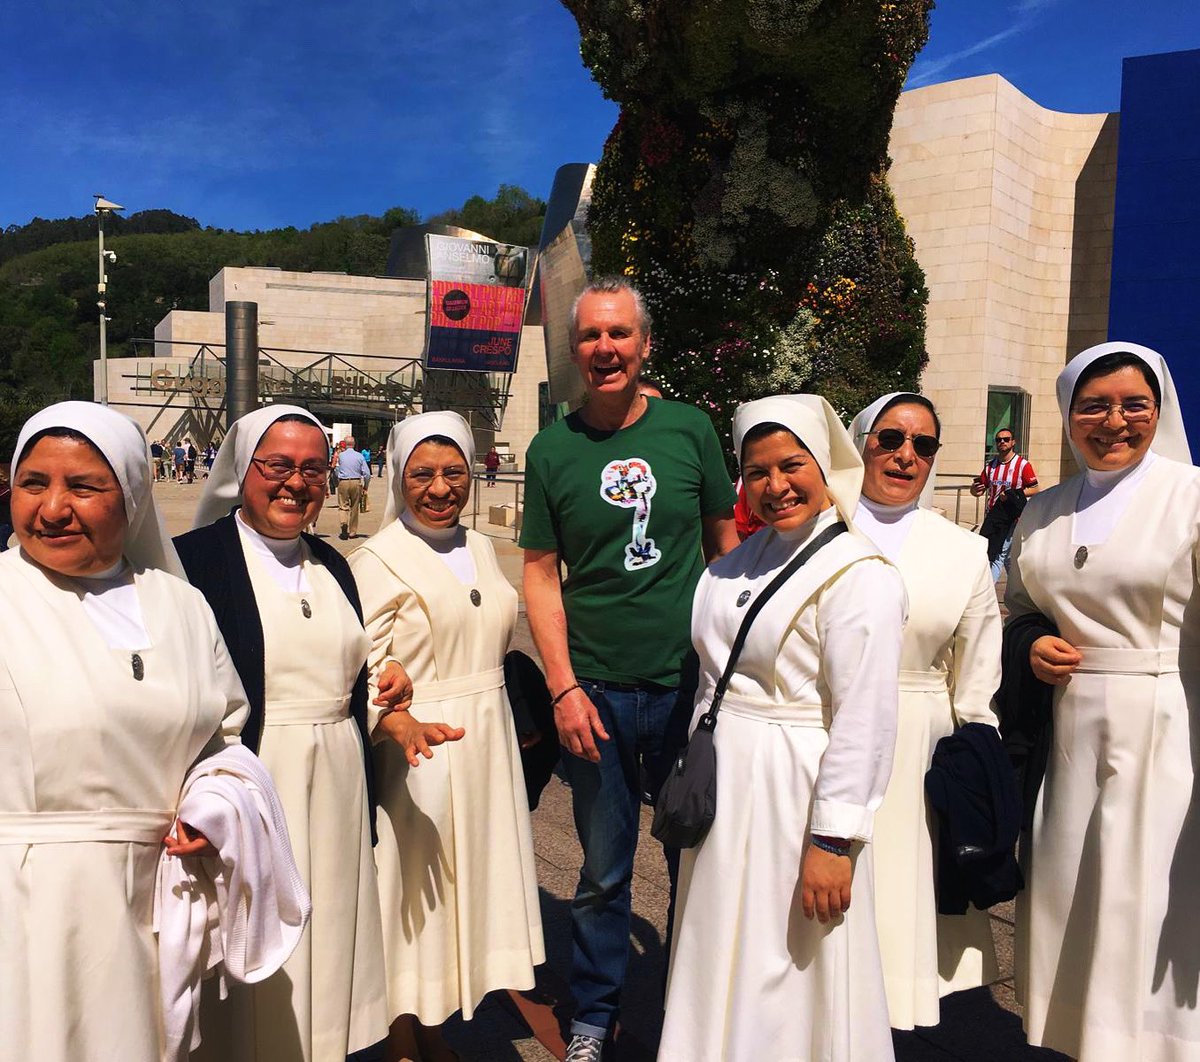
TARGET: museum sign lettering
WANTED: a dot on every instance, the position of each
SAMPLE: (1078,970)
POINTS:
(359,386)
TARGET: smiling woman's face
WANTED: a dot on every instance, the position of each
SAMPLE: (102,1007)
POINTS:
(68,510)
(437,481)
(1109,440)
(898,477)
(784,484)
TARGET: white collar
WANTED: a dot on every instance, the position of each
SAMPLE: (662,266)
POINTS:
(887,514)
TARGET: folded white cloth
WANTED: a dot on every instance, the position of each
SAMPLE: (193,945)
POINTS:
(241,914)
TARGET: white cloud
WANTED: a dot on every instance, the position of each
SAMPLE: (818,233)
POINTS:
(925,71)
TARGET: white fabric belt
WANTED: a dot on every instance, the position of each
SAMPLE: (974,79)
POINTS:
(1135,661)
(300,713)
(923,681)
(763,711)
(466,686)
(122,825)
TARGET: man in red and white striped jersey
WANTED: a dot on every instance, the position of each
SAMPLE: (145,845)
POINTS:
(1007,471)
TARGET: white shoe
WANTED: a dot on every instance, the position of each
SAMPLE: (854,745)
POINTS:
(584,1049)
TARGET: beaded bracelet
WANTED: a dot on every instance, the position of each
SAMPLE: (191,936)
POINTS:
(831,847)
(554,702)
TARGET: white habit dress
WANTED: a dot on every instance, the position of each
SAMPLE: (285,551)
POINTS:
(804,738)
(1108,929)
(949,671)
(457,880)
(92,761)
(329,999)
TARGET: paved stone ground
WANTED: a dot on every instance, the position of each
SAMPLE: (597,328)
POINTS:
(978,1026)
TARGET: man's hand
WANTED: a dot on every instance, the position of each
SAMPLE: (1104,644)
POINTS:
(395,688)
(978,486)
(417,738)
(188,841)
(825,884)
(1053,660)
(579,725)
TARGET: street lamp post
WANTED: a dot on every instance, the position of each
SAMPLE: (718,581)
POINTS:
(103,208)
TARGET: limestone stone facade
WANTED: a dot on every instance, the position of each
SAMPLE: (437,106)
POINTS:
(1011,209)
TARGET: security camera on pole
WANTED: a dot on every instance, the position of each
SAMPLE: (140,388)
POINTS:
(103,208)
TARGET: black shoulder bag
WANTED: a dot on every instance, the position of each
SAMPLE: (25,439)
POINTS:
(687,802)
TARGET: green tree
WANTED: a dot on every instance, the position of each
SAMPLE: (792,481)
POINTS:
(512,216)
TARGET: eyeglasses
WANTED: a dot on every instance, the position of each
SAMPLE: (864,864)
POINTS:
(1003,439)
(891,439)
(424,477)
(1135,411)
(277,471)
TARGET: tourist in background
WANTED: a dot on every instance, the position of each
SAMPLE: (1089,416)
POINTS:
(180,455)
(288,608)
(189,465)
(1108,930)
(353,475)
(775,952)
(1007,480)
(114,681)
(631,495)
(491,465)
(949,670)
(455,855)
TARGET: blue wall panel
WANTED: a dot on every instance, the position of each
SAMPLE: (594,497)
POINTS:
(1155,296)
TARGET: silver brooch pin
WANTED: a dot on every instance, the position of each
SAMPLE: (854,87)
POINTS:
(476,598)
(743,597)
(1081,556)
(306,608)
(139,669)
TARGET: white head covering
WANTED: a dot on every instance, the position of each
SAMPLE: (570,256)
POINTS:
(1170,440)
(813,421)
(407,436)
(223,488)
(124,446)
(864,421)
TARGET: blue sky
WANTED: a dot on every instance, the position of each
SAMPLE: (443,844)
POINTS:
(254,114)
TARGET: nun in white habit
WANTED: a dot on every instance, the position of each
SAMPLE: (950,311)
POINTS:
(949,670)
(1108,929)
(289,610)
(114,681)
(804,745)
(455,853)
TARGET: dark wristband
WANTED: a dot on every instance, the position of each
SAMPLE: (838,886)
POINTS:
(554,702)
(831,847)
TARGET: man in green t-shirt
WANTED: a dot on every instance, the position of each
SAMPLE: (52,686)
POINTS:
(629,493)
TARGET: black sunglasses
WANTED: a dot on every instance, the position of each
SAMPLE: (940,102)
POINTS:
(891,439)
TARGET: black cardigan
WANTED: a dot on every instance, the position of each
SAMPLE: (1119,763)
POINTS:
(216,566)
(973,791)
(1025,705)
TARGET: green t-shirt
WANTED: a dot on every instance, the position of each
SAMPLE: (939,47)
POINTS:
(623,509)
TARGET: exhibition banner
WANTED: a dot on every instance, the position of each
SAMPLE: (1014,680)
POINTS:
(476,303)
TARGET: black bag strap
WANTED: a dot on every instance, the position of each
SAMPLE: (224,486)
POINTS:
(708,721)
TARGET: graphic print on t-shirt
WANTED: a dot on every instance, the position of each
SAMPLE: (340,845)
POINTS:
(629,484)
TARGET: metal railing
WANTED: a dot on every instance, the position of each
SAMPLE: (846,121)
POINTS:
(398,383)
(503,481)
(965,513)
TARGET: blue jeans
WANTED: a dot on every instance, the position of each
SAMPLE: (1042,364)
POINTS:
(646,727)
(1000,564)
